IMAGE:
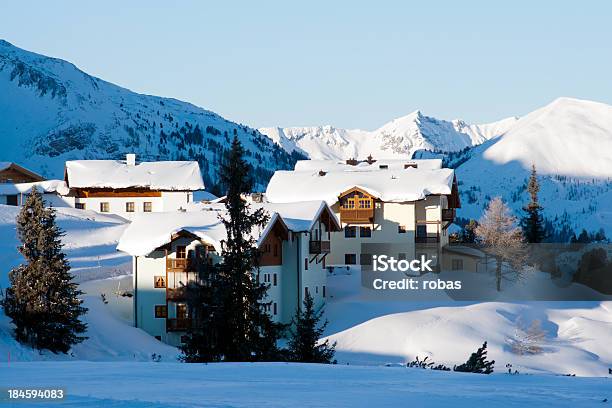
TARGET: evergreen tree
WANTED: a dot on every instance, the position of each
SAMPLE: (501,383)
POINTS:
(533,221)
(305,335)
(247,330)
(42,301)
(477,363)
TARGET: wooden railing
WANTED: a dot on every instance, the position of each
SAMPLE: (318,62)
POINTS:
(357,215)
(448,214)
(179,264)
(319,247)
(178,324)
(427,240)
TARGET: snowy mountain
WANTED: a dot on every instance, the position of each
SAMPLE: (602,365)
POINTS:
(50,112)
(400,137)
(569,141)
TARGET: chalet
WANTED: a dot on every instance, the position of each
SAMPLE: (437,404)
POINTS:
(13,173)
(170,250)
(410,203)
(126,187)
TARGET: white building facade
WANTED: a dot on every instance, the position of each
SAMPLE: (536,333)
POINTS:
(127,188)
(170,250)
(408,205)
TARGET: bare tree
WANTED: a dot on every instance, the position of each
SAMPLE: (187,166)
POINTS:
(527,340)
(498,233)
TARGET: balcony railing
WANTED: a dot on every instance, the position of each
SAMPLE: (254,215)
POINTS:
(357,215)
(427,240)
(448,214)
(319,247)
(179,264)
(178,324)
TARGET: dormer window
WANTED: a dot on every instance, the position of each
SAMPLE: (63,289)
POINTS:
(408,165)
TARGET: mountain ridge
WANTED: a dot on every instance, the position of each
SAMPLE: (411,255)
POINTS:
(51,111)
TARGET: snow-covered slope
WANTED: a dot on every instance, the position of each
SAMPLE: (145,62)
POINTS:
(569,141)
(400,137)
(50,112)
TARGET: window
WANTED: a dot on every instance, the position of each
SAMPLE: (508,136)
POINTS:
(350,259)
(306,292)
(421,230)
(316,289)
(104,207)
(324,294)
(275,283)
(305,264)
(147,206)
(181,251)
(79,206)
(365,232)
(365,203)
(350,232)
(457,265)
(365,259)
(129,206)
(275,309)
(401,229)
(11,199)
(159,281)
(161,311)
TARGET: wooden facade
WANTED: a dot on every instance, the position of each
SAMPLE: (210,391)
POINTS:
(356,207)
(271,249)
(14,173)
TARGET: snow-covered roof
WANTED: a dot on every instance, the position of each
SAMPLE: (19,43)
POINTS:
(161,175)
(391,164)
(149,231)
(388,185)
(48,186)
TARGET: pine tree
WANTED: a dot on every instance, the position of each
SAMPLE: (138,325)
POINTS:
(501,238)
(248,332)
(42,301)
(477,363)
(533,221)
(306,333)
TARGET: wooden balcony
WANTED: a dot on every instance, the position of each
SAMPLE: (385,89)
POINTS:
(427,239)
(448,214)
(179,265)
(357,215)
(178,324)
(319,247)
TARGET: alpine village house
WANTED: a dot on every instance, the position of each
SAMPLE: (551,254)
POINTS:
(170,250)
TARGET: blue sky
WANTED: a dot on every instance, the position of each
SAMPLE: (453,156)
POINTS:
(346,63)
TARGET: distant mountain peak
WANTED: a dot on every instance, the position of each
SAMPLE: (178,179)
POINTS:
(399,137)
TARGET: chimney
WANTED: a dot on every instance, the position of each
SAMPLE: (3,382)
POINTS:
(322,173)
(351,162)
(130,159)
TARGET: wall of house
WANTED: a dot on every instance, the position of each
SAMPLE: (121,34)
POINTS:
(51,199)
(388,217)
(146,296)
(169,201)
